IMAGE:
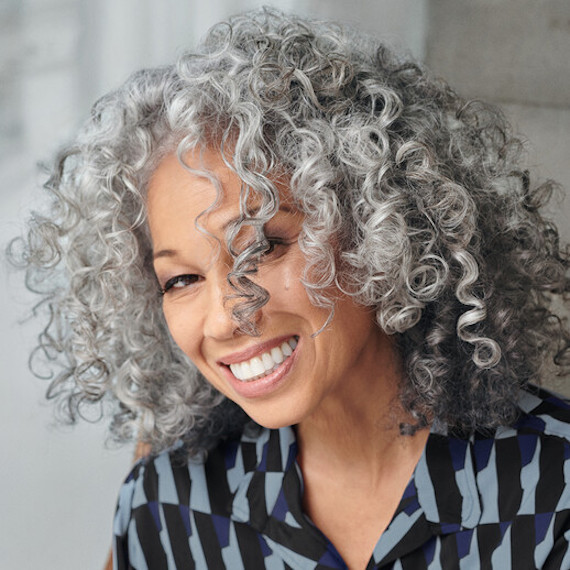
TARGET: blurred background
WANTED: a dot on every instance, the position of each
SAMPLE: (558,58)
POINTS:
(58,485)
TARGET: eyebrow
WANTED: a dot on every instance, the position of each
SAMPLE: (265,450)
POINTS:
(282,208)
(164,253)
(173,252)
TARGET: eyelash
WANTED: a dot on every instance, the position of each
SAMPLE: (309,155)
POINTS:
(171,283)
(274,241)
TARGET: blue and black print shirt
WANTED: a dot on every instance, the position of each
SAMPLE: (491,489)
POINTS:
(497,501)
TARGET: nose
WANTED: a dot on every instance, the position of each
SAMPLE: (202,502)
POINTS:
(218,321)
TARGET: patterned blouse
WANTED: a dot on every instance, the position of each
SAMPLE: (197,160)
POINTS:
(499,500)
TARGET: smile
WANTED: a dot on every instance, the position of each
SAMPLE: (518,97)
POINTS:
(265,363)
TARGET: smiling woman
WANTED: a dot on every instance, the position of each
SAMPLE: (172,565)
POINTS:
(192,268)
(320,285)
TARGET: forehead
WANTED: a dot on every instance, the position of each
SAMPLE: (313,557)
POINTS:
(203,187)
(202,173)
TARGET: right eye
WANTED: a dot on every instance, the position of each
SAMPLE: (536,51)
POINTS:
(179,282)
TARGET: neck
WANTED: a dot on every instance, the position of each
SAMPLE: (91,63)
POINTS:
(358,428)
(355,463)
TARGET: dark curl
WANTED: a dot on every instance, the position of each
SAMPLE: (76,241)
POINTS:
(415,204)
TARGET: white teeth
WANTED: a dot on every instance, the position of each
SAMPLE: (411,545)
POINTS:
(246,371)
(261,365)
(236,370)
(277,355)
(256,366)
(268,363)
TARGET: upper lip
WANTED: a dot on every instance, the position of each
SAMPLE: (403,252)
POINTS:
(252,351)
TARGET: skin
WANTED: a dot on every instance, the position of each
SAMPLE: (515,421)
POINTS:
(339,389)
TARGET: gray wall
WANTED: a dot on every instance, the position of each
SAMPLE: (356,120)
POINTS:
(56,56)
(515,53)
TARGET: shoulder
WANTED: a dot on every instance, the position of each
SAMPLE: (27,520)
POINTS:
(172,477)
(154,480)
(539,439)
(203,483)
(173,508)
(510,487)
(525,466)
(498,476)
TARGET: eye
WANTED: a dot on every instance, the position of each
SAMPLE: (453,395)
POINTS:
(274,243)
(179,282)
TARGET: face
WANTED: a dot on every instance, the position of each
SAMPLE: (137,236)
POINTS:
(286,375)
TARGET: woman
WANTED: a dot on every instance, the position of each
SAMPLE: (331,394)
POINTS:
(320,285)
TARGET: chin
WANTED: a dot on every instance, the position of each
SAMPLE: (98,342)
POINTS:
(275,420)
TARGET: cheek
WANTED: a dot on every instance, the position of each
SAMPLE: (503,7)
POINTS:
(183,330)
(284,280)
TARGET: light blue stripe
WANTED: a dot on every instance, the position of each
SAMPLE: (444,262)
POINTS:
(426,492)
(564,501)
(501,557)
(528,402)
(566,560)
(123,514)
(165,540)
(529,477)
(139,496)
(436,562)
(504,432)
(556,427)
(544,548)
(196,547)
(465,479)
(166,486)
(472,560)
(294,559)
(199,500)
(240,505)
(273,562)
(136,556)
(231,554)
(397,529)
(286,439)
(260,443)
(290,520)
(273,485)
(487,481)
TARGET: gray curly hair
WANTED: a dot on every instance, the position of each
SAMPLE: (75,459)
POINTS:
(414,203)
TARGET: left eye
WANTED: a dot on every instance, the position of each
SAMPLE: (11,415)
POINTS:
(179,282)
(273,243)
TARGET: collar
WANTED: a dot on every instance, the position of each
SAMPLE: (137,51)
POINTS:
(444,482)
(441,498)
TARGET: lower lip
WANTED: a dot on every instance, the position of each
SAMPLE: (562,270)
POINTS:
(266,385)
